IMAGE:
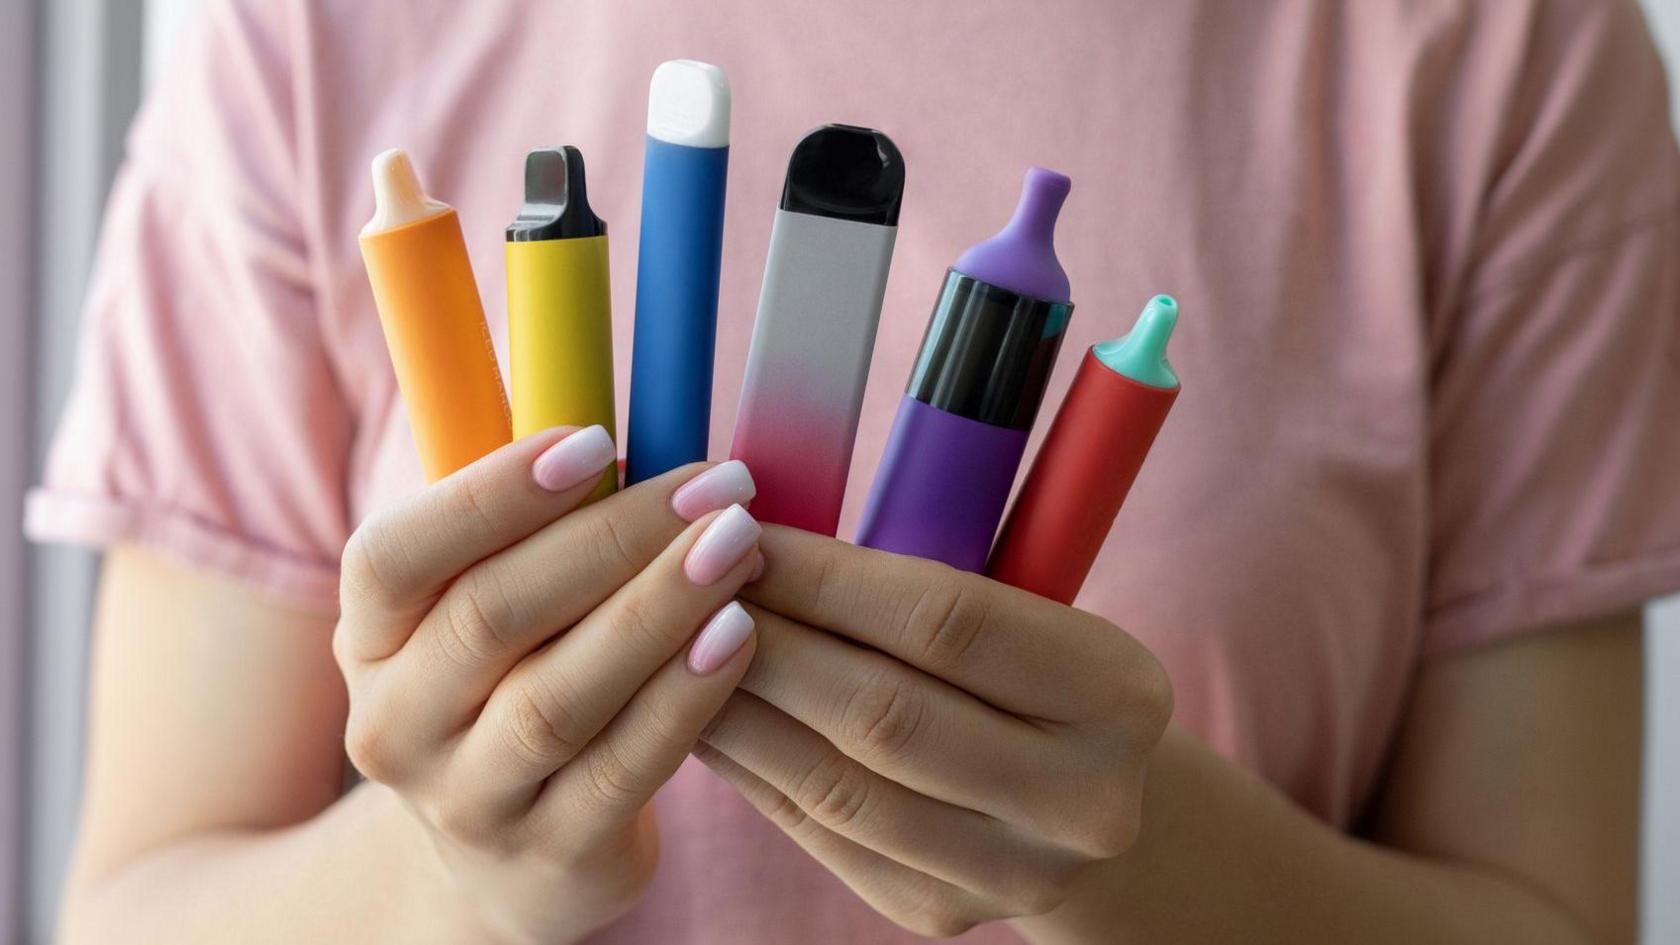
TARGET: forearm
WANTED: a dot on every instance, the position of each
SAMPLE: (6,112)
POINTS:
(361,871)
(1224,857)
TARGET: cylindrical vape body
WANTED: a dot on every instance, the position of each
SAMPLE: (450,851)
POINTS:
(1079,480)
(560,338)
(559,302)
(809,361)
(676,307)
(962,426)
(440,345)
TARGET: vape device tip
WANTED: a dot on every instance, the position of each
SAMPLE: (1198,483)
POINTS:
(845,172)
(547,175)
(1142,353)
(556,198)
(688,104)
(398,197)
(1042,196)
(1022,256)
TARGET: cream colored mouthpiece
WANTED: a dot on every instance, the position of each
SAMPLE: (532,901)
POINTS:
(398,198)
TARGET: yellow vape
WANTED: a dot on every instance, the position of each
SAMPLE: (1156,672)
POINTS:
(560,305)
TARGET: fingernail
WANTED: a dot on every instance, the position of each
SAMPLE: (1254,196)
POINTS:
(758,568)
(721,546)
(719,639)
(720,487)
(575,459)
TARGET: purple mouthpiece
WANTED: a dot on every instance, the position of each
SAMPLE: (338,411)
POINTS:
(1022,256)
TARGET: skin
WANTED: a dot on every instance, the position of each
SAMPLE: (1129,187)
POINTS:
(857,718)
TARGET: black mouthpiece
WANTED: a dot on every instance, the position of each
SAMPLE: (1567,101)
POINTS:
(846,172)
(556,199)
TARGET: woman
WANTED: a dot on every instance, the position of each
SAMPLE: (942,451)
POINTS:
(1383,571)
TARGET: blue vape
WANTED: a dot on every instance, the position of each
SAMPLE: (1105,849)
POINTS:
(681,252)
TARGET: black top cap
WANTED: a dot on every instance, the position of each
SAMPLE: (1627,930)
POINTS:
(845,172)
(556,199)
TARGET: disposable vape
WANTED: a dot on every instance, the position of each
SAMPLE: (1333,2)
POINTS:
(962,425)
(560,304)
(687,155)
(433,319)
(830,249)
(1090,457)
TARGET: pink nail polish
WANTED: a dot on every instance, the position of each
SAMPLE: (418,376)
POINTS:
(720,639)
(758,569)
(721,546)
(574,460)
(721,486)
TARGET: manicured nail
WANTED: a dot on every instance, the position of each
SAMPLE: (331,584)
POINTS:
(575,460)
(719,639)
(721,546)
(758,568)
(720,487)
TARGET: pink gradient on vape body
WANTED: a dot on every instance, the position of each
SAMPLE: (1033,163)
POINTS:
(799,454)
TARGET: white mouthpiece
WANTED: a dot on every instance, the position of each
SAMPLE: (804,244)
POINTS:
(398,197)
(688,104)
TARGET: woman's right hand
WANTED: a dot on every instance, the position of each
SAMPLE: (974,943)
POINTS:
(518,671)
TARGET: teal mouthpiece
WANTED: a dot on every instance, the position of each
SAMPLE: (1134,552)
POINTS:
(1141,354)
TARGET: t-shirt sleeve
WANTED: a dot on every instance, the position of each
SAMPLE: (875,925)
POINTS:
(205,421)
(1555,395)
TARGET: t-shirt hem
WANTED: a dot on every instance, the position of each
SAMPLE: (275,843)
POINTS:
(1522,606)
(103,521)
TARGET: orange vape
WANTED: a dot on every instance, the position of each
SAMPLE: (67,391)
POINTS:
(434,323)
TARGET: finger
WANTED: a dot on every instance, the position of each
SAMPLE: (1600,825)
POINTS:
(915,900)
(400,559)
(962,847)
(510,604)
(1016,650)
(555,702)
(904,724)
(601,791)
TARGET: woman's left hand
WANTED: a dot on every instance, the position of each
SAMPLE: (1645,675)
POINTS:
(954,749)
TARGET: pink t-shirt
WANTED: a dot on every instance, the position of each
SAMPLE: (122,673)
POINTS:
(1428,255)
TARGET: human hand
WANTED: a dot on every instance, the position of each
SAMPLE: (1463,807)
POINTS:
(518,675)
(955,750)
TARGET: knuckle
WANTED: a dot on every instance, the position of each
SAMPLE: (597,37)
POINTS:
(884,719)
(827,583)
(1108,833)
(610,544)
(936,917)
(344,648)
(785,813)
(611,782)
(633,621)
(479,497)
(540,731)
(368,746)
(835,792)
(944,623)
(368,565)
(1153,701)
(1129,687)
(476,617)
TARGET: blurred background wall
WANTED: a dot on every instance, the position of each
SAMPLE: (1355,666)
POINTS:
(71,73)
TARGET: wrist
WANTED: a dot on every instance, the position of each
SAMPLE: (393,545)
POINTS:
(419,880)
(485,896)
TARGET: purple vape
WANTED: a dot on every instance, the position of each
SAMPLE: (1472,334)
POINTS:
(962,426)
